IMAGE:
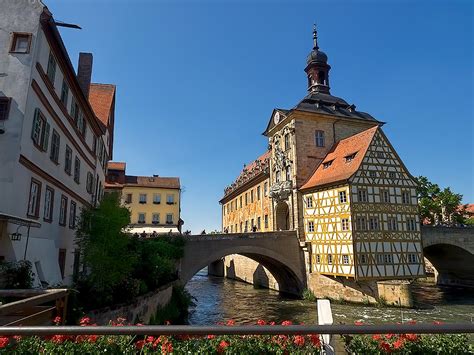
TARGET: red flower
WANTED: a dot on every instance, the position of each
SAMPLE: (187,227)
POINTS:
(299,340)
(92,338)
(17,338)
(272,323)
(261,322)
(389,336)
(376,337)
(314,339)
(84,321)
(121,320)
(211,336)
(412,322)
(286,322)
(58,339)
(358,323)
(167,348)
(222,346)
(4,342)
(167,322)
(139,344)
(57,320)
(139,325)
(411,337)
(231,322)
(150,339)
(437,322)
(385,346)
(398,344)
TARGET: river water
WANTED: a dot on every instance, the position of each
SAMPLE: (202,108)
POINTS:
(219,299)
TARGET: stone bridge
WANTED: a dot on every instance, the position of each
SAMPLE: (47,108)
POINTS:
(451,251)
(279,252)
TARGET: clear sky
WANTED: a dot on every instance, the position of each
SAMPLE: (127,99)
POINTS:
(198,80)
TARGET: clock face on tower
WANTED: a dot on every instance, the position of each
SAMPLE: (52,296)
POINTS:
(276,118)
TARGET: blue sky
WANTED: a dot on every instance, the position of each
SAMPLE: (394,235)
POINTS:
(198,80)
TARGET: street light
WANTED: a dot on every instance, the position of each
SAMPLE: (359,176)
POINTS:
(16,236)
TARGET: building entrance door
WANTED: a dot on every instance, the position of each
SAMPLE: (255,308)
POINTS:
(282,216)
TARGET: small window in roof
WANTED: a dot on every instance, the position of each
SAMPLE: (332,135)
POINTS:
(350,157)
(327,164)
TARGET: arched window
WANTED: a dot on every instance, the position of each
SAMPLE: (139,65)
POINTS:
(321,78)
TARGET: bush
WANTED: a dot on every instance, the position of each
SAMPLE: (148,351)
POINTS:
(16,274)
(118,267)
(409,344)
(308,295)
(210,344)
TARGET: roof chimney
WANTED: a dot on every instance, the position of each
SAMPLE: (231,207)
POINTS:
(84,72)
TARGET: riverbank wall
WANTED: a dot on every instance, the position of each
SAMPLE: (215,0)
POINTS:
(339,289)
(141,310)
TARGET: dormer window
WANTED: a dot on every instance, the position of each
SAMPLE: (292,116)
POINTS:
(350,157)
(327,164)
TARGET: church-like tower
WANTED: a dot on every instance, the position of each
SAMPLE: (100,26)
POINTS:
(317,68)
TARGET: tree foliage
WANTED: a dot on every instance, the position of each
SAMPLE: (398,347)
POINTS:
(118,267)
(439,206)
(104,245)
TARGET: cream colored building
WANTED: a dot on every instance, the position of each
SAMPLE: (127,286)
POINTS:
(56,134)
(154,201)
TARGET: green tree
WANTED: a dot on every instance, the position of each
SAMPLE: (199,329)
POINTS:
(104,245)
(439,206)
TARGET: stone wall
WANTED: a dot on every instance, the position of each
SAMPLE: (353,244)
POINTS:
(141,310)
(393,292)
(241,268)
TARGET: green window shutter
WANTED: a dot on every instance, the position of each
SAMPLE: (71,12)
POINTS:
(45,142)
(35,124)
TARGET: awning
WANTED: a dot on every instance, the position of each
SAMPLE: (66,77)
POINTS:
(20,221)
(150,230)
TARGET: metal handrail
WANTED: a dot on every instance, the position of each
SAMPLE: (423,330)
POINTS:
(454,328)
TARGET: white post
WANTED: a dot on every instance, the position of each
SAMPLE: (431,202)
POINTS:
(325,318)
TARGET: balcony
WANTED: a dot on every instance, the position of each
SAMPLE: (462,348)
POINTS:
(156,202)
(142,202)
(169,222)
(155,222)
(141,222)
(170,203)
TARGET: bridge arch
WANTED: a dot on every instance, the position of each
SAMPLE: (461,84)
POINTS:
(278,252)
(454,265)
(451,251)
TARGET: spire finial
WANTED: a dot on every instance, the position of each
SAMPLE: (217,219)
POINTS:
(315,37)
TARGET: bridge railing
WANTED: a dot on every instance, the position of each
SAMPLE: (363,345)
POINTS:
(156,330)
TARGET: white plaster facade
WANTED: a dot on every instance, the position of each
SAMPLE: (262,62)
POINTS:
(23,79)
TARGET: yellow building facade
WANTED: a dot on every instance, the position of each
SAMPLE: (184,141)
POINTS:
(154,201)
(246,205)
(361,212)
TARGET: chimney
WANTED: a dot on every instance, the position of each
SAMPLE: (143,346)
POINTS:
(84,72)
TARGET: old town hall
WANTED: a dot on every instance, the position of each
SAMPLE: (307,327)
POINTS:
(331,175)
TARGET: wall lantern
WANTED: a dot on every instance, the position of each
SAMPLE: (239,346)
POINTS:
(16,236)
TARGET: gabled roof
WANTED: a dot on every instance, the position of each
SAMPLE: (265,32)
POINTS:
(152,181)
(101,97)
(340,169)
(325,104)
(113,165)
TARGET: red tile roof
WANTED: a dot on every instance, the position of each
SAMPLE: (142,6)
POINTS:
(152,181)
(101,97)
(340,170)
(112,165)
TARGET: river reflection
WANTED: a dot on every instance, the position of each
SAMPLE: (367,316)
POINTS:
(218,300)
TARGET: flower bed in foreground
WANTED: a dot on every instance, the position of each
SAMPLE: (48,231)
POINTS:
(426,344)
(210,344)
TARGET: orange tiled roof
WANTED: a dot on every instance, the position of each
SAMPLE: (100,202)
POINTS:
(101,97)
(341,170)
(253,164)
(112,165)
(152,181)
